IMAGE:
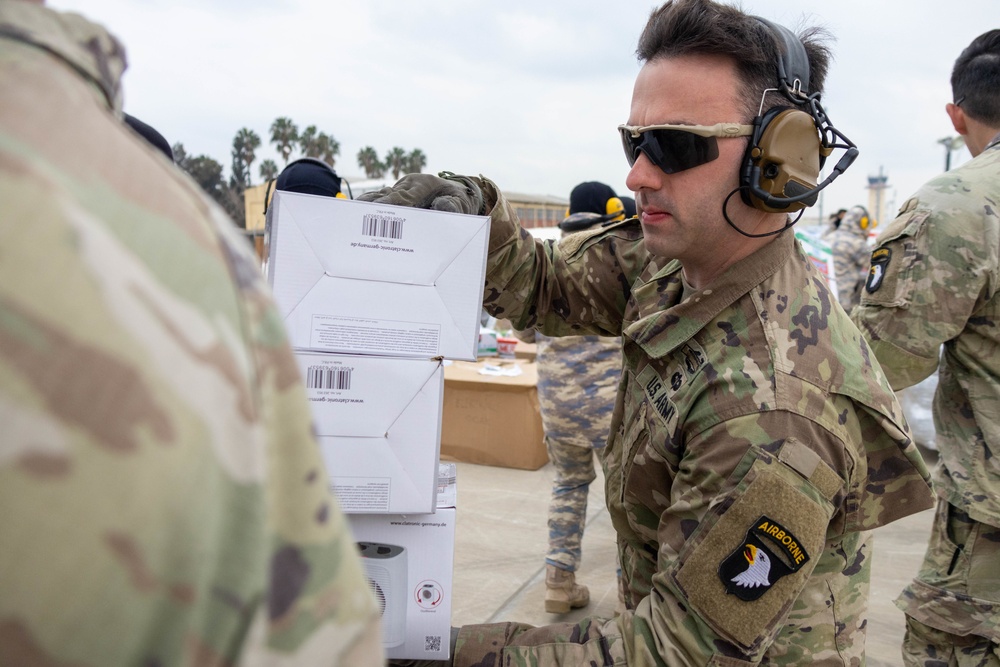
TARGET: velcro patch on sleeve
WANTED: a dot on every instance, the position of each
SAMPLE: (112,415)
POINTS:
(753,563)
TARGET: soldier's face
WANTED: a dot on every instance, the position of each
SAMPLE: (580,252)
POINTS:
(682,212)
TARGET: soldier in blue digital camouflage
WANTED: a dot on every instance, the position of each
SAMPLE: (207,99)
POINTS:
(849,246)
(577,383)
(932,302)
(755,442)
(164,501)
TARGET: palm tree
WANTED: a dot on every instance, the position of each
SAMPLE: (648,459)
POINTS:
(180,155)
(268,169)
(329,148)
(245,144)
(284,136)
(416,161)
(308,142)
(395,161)
(368,161)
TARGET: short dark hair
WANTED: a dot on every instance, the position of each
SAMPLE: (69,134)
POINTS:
(704,27)
(975,79)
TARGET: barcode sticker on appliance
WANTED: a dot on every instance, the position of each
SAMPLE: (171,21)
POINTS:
(382,226)
(328,377)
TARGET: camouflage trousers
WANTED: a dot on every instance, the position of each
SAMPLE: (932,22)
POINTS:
(574,466)
(953,606)
(577,384)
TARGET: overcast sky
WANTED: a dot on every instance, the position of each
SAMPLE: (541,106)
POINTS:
(528,93)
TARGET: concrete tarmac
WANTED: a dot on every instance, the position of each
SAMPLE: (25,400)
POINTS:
(501,539)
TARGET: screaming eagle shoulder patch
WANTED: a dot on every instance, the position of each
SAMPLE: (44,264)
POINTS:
(768,553)
(879,263)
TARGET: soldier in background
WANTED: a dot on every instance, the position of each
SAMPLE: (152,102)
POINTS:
(164,501)
(753,445)
(935,281)
(849,246)
(833,222)
(577,383)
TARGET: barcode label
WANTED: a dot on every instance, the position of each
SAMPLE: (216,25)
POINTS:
(382,226)
(432,643)
(325,377)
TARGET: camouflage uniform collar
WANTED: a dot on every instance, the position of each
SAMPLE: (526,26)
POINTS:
(994,142)
(86,47)
(687,317)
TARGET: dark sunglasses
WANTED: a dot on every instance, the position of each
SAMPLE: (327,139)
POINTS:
(675,148)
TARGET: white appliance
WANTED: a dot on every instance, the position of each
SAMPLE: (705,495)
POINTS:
(385,568)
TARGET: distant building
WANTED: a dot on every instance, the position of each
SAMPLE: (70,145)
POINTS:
(877,186)
(538,210)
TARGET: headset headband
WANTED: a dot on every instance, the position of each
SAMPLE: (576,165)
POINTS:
(793,61)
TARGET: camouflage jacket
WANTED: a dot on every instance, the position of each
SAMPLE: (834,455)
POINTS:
(933,298)
(849,245)
(752,445)
(577,379)
(164,501)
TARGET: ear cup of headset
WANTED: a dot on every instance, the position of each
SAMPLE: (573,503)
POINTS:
(783,160)
(615,207)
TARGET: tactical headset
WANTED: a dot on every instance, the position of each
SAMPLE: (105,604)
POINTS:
(789,144)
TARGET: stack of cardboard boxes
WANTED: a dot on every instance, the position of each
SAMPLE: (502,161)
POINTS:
(374,298)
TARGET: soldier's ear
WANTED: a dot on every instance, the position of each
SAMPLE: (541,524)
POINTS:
(957,116)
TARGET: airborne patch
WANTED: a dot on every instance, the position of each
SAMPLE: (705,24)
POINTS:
(879,263)
(768,553)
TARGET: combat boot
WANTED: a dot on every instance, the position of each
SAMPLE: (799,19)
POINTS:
(562,593)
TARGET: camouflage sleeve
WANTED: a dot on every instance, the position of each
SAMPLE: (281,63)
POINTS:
(164,500)
(925,282)
(737,548)
(579,285)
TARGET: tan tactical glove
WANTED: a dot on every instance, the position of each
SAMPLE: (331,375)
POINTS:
(446,192)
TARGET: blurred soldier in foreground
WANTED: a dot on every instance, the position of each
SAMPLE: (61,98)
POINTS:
(577,383)
(164,502)
(849,245)
(753,446)
(935,281)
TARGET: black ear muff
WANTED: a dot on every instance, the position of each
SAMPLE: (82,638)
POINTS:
(782,162)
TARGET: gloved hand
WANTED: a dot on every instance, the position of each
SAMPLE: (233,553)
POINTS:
(397,662)
(446,192)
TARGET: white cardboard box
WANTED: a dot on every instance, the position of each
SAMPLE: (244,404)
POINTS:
(409,560)
(362,278)
(378,420)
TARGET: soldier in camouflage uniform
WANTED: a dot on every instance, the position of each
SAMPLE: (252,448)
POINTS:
(164,502)
(935,281)
(849,245)
(577,383)
(755,442)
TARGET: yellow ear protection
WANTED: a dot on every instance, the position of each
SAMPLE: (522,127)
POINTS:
(866,220)
(789,144)
(615,208)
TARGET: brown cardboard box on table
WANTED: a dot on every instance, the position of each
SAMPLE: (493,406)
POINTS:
(492,420)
